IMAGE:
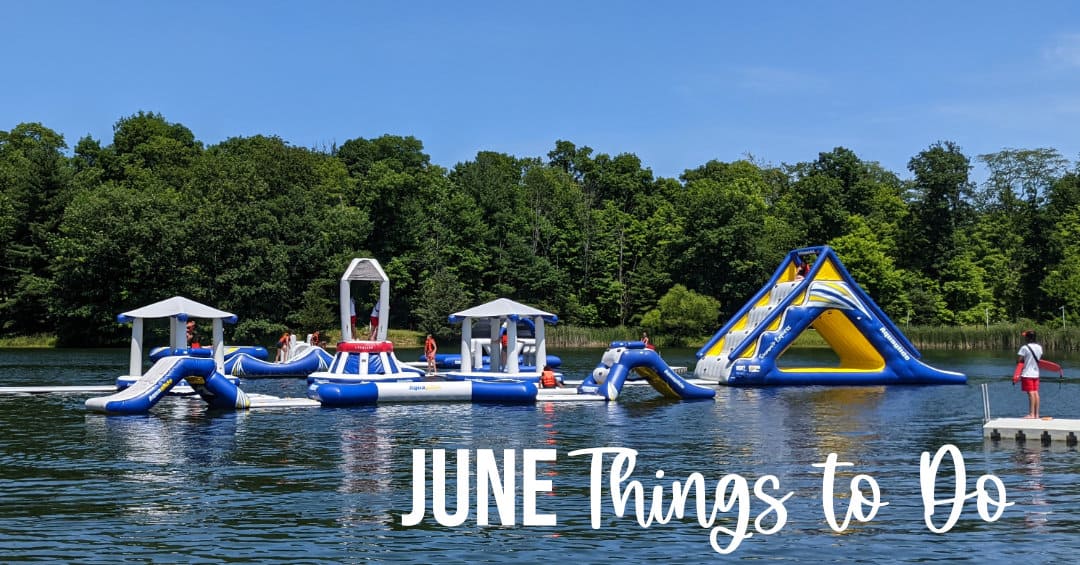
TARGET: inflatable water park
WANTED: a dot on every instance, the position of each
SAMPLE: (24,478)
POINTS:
(811,290)
(365,372)
(368,372)
(503,341)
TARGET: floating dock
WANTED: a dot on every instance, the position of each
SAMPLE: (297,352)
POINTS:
(565,394)
(56,389)
(267,401)
(1033,429)
(1021,430)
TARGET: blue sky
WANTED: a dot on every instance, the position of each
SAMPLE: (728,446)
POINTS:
(676,83)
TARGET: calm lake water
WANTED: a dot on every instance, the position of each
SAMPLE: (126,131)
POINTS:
(184,484)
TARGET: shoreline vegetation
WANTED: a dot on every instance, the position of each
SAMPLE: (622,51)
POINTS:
(996,337)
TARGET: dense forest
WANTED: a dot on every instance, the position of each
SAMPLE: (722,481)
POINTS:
(264,229)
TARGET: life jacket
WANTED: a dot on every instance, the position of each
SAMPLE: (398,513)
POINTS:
(547,379)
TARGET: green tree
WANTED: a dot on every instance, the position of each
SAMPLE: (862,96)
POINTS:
(682,314)
(1062,282)
(35,182)
(867,260)
(265,221)
(826,192)
(726,249)
(440,295)
(146,144)
(115,250)
(942,207)
(1015,220)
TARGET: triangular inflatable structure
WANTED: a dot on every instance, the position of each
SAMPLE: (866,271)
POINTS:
(812,289)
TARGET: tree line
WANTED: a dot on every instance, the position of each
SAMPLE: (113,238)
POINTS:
(263,229)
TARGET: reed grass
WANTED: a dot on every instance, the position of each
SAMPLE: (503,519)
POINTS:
(995,337)
(29,341)
(405,338)
(570,337)
(992,338)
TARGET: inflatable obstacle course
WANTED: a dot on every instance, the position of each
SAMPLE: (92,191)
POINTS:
(811,290)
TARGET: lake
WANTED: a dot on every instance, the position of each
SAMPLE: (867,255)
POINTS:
(315,485)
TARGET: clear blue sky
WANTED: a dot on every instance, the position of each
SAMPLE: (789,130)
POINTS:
(676,83)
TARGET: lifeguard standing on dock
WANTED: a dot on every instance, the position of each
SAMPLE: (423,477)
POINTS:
(1027,371)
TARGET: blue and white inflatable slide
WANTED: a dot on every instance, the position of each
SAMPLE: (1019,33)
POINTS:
(199,372)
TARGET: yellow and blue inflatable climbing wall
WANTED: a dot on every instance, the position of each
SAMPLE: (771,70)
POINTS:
(812,289)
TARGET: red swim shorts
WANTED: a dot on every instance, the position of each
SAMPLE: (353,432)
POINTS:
(1029,385)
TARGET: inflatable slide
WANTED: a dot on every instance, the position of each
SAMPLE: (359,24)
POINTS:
(310,360)
(622,358)
(201,373)
(812,290)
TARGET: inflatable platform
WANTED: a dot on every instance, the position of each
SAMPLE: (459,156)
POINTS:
(366,361)
(503,330)
(338,394)
(812,290)
(452,361)
(605,383)
(255,351)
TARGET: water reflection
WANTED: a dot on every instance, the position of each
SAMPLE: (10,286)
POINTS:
(162,437)
(1029,463)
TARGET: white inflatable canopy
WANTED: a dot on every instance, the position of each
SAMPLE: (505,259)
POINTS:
(179,309)
(178,306)
(364,270)
(501,310)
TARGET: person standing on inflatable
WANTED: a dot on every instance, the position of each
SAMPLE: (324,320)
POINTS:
(430,347)
(374,321)
(352,318)
(1027,371)
(504,342)
(283,343)
(192,335)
